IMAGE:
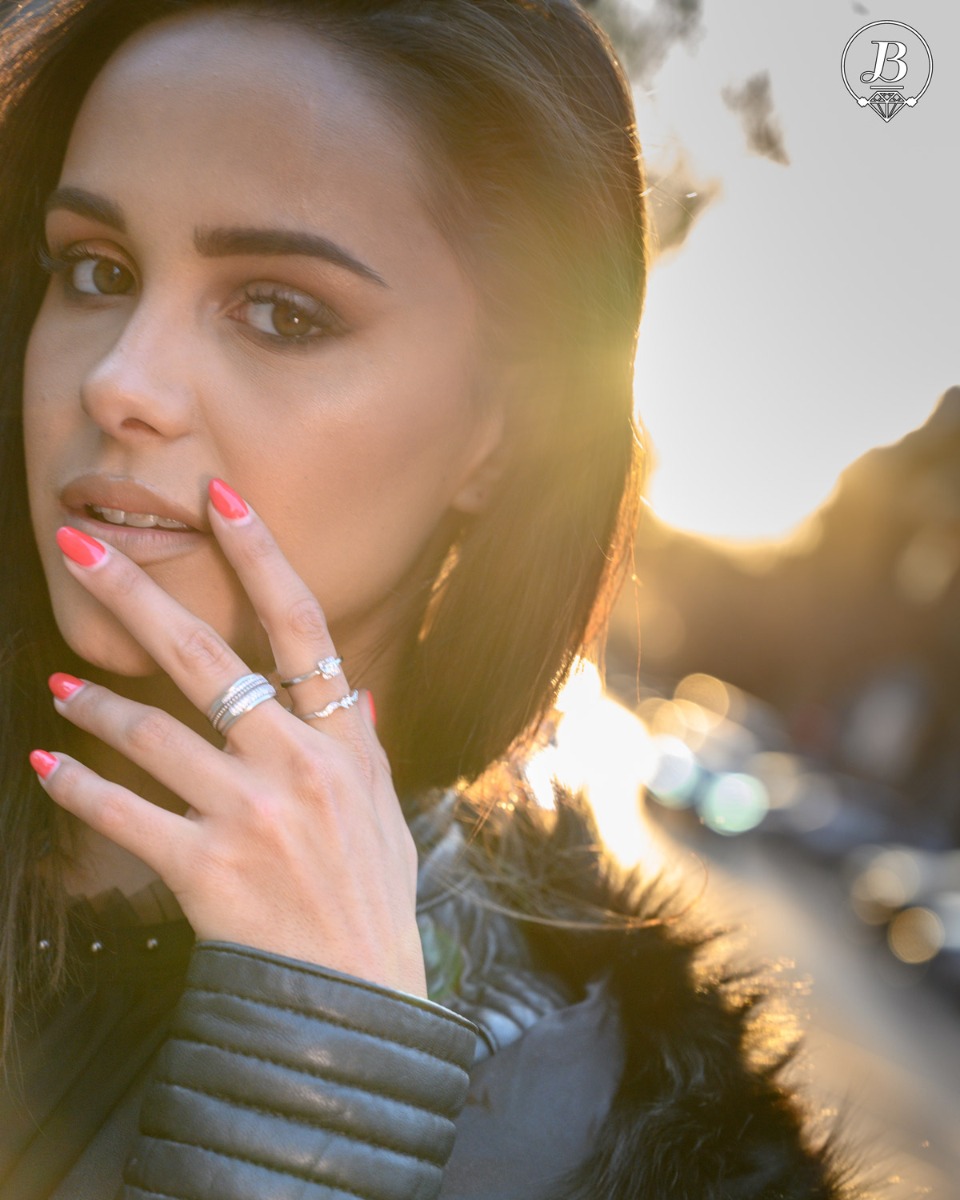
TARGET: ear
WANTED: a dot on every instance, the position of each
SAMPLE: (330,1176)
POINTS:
(487,461)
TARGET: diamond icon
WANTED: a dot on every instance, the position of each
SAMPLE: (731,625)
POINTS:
(886,104)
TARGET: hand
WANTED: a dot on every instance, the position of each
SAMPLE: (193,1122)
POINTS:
(293,841)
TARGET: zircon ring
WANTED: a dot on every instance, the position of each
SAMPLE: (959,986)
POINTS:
(347,701)
(326,668)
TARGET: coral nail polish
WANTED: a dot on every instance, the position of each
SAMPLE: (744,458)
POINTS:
(80,548)
(43,763)
(64,686)
(373,709)
(226,501)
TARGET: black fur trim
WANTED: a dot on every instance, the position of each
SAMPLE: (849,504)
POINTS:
(701,1112)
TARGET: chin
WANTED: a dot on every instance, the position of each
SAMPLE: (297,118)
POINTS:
(102,641)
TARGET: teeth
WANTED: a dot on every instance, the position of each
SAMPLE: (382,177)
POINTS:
(117,516)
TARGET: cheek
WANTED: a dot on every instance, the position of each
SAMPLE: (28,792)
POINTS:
(51,410)
(355,491)
(51,434)
(54,435)
(36,385)
(48,344)
(43,426)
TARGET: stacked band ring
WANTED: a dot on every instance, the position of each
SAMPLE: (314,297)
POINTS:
(239,698)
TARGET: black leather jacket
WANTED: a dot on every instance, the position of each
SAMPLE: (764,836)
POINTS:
(555,1063)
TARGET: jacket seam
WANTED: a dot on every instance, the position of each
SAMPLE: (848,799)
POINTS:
(425,1005)
(304,1122)
(158,1195)
(325,1019)
(323,1078)
(285,1172)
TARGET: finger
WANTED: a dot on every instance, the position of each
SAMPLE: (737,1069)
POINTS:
(289,612)
(193,654)
(174,755)
(158,837)
(368,714)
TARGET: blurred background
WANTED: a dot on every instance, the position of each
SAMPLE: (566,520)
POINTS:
(795,734)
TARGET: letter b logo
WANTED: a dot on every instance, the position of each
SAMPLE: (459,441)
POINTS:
(876,63)
(883,57)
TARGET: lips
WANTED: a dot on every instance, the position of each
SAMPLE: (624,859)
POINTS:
(120,502)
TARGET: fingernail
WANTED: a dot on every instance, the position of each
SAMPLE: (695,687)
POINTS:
(373,709)
(80,548)
(43,763)
(64,686)
(226,501)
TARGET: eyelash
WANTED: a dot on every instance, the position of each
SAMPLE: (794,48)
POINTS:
(62,262)
(322,320)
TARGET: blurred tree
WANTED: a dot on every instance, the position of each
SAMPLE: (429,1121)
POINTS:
(851,627)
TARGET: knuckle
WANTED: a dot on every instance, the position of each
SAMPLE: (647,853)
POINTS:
(261,808)
(112,812)
(258,545)
(314,777)
(306,621)
(91,704)
(202,649)
(126,578)
(150,730)
(66,778)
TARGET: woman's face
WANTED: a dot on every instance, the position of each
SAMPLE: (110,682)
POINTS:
(247,284)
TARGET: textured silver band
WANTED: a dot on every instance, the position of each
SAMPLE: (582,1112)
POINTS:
(327,668)
(347,701)
(239,698)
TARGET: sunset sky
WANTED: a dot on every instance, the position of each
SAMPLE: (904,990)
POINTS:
(812,311)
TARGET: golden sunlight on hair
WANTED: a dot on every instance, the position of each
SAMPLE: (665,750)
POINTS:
(603,749)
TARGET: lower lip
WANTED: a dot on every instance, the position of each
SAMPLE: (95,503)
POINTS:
(142,546)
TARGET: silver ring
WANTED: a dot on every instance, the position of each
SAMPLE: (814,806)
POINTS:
(328,668)
(344,702)
(239,698)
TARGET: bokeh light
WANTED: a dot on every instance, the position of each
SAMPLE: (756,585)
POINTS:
(675,774)
(710,694)
(916,935)
(734,804)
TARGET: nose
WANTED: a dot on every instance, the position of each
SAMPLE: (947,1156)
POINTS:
(141,387)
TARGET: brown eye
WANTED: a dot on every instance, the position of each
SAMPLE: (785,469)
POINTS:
(288,321)
(287,318)
(101,277)
(110,278)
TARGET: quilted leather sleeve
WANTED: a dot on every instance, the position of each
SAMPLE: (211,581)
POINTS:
(285,1080)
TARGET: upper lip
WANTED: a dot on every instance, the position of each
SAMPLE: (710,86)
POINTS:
(131,495)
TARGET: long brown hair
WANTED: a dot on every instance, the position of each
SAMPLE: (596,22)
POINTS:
(539,187)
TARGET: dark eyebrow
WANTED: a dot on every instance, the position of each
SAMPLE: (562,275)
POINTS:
(218,243)
(86,204)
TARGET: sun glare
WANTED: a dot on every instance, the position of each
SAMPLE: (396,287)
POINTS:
(605,750)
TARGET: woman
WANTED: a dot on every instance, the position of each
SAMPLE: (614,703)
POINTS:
(326,395)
